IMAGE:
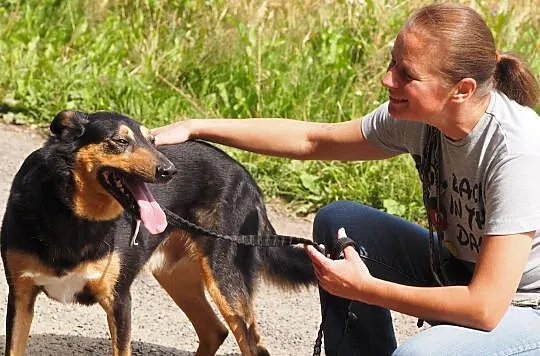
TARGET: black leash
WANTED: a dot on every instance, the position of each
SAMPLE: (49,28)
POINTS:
(270,240)
(336,254)
(430,175)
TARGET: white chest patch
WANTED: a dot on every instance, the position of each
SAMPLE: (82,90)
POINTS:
(63,289)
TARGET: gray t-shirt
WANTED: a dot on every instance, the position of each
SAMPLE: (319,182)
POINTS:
(489,179)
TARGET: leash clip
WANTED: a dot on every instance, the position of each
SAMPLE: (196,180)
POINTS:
(135,232)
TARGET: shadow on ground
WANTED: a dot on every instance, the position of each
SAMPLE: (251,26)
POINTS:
(69,345)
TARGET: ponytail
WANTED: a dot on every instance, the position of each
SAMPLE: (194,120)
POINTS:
(515,80)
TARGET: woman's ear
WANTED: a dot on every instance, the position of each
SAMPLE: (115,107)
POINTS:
(69,125)
(463,90)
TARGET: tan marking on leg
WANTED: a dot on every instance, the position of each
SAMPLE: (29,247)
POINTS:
(25,297)
(108,305)
(253,330)
(239,316)
(109,268)
(180,275)
(104,291)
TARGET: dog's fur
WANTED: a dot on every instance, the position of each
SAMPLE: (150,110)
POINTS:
(66,231)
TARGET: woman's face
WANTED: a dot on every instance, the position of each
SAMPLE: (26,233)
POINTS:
(416,90)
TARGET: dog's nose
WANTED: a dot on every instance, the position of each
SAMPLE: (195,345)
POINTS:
(164,172)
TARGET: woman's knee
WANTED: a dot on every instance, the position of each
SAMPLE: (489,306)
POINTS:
(331,217)
(429,342)
(446,339)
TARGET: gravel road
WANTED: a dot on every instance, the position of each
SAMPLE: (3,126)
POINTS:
(288,321)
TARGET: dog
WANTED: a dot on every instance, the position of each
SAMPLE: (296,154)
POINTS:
(98,183)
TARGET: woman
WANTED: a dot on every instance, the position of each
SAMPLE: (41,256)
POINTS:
(464,113)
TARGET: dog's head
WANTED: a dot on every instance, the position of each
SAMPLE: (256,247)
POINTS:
(111,158)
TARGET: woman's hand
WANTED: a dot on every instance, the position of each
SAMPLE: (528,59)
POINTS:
(347,278)
(174,133)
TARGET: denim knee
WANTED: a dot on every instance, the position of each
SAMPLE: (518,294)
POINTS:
(326,219)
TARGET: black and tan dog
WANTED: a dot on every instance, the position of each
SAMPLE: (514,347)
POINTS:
(76,203)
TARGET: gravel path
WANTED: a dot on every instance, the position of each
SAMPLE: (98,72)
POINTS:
(288,321)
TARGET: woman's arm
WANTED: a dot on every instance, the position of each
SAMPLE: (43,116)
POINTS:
(278,137)
(480,305)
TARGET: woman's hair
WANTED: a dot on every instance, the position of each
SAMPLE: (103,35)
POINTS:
(467,50)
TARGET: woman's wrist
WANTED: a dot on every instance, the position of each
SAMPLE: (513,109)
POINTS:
(369,292)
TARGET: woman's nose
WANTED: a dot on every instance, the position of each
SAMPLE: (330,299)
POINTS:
(388,80)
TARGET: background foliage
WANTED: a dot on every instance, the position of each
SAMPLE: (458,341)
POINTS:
(161,61)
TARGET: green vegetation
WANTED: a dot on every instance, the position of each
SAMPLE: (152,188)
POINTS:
(160,61)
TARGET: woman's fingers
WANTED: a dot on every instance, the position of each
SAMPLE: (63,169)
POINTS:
(350,253)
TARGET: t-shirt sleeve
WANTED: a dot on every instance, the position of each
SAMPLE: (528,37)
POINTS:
(390,134)
(513,196)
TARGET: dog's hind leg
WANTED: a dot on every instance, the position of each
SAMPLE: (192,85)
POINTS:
(118,311)
(20,310)
(237,311)
(183,282)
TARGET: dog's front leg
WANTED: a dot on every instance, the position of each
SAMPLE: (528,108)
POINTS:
(118,309)
(20,311)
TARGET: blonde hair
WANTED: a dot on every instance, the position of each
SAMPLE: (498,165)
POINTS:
(468,50)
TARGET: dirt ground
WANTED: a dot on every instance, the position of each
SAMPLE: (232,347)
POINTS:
(288,321)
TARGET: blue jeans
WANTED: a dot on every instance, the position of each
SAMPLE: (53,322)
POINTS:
(397,250)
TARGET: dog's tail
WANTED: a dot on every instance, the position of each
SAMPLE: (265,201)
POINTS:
(287,267)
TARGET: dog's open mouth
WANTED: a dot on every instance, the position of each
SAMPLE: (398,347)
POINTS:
(133,194)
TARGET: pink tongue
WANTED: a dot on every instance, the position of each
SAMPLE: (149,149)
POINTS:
(152,215)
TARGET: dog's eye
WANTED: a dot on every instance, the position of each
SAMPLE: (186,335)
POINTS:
(152,140)
(121,142)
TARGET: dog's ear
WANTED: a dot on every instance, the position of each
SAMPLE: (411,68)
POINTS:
(69,125)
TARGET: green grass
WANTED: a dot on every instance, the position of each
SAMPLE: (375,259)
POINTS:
(161,61)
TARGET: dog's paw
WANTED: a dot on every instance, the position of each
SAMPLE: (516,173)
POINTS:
(262,351)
